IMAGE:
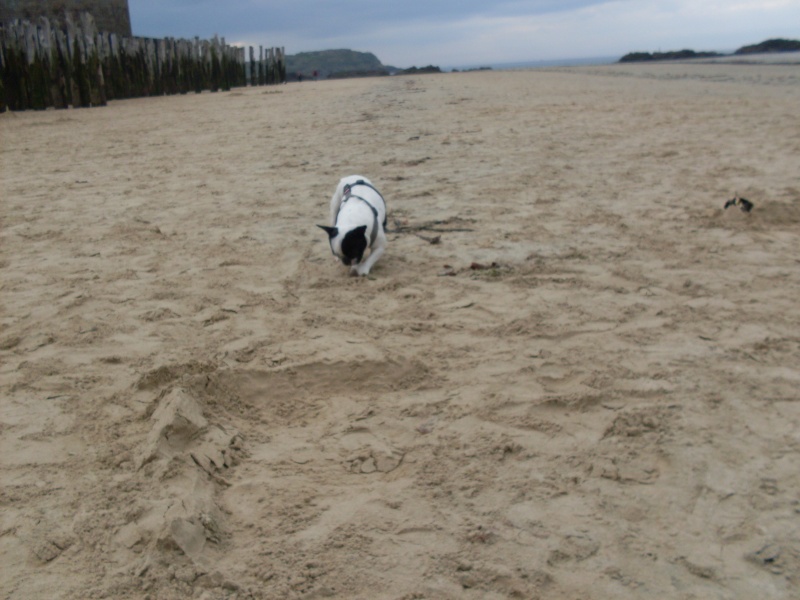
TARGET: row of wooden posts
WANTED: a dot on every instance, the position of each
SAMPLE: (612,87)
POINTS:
(46,64)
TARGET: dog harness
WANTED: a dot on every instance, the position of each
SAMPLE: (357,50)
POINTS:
(348,193)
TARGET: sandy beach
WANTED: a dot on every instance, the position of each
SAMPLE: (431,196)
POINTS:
(572,374)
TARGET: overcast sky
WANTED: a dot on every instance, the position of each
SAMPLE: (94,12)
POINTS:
(406,33)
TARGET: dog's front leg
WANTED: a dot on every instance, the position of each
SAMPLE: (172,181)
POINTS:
(363,268)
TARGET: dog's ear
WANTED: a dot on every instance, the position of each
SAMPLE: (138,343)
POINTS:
(362,229)
(331,231)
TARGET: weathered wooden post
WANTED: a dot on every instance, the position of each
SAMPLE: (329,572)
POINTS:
(261,72)
(35,79)
(58,84)
(186,66)
(243,58)
(194,68)
(45,56)
(91,56)
(174,66)
(223,63)
(162,68)
(64,67)
(81,94)
(116,73)
(207,64)
(14,68)
(215,67)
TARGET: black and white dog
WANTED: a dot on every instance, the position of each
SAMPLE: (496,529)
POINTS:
(743,203)
(357,232)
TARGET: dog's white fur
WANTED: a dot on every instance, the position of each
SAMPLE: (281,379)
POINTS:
(354,213)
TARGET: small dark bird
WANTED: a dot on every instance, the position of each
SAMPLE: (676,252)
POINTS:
(743,203)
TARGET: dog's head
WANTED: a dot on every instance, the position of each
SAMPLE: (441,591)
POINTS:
(348,246)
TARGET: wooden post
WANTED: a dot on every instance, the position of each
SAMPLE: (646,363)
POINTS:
(216,65)
(64,67)
(91,56)
(14,69)
(261,70)
(197,72)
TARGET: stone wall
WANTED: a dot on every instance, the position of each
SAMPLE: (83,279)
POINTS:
(111,16)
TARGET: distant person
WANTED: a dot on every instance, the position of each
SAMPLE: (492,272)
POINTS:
(315,74)
(300,77)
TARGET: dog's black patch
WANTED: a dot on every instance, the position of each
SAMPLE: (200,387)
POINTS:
(353,245)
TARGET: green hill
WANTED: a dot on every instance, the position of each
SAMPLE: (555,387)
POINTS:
(773,45)
(334,63)
(673,55)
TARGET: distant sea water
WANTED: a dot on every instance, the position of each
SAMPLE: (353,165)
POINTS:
(539,64)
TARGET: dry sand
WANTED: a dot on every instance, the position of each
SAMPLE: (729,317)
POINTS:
(197,402)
